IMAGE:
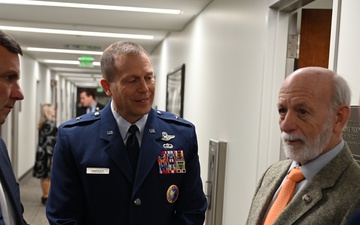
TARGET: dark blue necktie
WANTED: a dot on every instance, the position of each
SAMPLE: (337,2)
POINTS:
(132,147)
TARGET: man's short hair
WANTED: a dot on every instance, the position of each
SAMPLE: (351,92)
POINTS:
(88,91)
(9,43)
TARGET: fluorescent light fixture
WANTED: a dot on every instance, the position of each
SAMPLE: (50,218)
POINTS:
(68,62)
(80,78)
(69,51)
(99,76)
(53,61)
(76,32)
(78,70)
(91,6)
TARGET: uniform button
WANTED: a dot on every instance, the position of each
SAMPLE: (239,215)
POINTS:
(137,201)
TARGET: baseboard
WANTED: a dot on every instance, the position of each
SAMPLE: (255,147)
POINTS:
(25,176)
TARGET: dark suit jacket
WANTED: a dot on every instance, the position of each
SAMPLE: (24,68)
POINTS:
(330,198)
(10,184)
(355,219)
(82,110)
(99,106)
(78,196)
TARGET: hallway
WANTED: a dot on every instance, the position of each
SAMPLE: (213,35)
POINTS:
(30,192)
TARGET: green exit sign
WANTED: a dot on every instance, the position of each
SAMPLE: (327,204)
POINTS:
(86,61)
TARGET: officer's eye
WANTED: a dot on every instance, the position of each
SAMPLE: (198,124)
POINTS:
(282,111)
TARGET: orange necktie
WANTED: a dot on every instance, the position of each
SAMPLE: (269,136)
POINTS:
(285,195)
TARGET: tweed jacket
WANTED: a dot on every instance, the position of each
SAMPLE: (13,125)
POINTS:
(331,197)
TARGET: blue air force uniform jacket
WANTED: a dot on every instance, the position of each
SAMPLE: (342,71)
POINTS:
(92,181)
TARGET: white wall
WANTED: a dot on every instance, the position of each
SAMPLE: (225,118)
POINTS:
(27,129)
(224,52)
(35,84)
(349,47)
(234,53)
(235,56)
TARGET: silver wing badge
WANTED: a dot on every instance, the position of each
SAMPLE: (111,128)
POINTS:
(166,136)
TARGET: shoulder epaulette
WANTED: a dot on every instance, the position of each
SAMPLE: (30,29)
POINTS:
(172,117)
(86,118)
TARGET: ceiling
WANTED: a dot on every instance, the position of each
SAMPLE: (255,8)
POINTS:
(96,20)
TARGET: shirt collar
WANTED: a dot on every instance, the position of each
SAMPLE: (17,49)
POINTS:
(93,106)
(311,168)
(124,125)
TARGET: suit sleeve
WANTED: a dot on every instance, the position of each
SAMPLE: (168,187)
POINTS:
(10,185)
(192,203)
(65,204)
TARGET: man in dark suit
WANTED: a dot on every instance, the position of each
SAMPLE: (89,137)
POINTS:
(96,180)
(88,102)
(314,107)
(11,209)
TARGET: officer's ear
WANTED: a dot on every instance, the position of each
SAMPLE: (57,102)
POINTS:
(105,85)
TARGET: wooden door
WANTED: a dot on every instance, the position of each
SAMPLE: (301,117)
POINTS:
(315,37)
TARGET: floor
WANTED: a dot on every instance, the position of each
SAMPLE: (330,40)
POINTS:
(34,210)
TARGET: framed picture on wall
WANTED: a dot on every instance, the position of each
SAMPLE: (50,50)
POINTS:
(175,91)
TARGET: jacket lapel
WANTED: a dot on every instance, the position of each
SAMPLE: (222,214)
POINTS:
(9,184)
(115,147)
(149,151)
(267,187)
(311,194)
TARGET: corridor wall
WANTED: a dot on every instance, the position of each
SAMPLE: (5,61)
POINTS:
(235,53)
(224,52)
(235,56)
(346,63)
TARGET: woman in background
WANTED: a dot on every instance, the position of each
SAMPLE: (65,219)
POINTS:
(47,139)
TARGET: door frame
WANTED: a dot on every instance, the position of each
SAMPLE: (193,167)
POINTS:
(275,70)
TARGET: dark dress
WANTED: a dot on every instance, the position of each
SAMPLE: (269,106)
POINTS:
(44,151)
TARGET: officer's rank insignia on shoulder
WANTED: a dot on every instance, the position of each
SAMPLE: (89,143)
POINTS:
(171,162)
(86,118)
(168,116)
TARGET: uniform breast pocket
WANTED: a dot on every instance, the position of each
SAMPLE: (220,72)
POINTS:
(170,186)
(171,162)
(170,179)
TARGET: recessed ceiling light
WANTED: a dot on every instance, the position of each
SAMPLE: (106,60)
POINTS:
(91,6)
(53,61)
(76,70)
(76,32)
(69,51)
(69,62)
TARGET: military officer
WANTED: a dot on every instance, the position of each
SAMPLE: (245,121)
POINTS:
(103,174)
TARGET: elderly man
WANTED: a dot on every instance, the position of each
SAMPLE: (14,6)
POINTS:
(323,177)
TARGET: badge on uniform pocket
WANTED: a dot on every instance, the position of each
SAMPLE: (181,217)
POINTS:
(171,162)
(172,193)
